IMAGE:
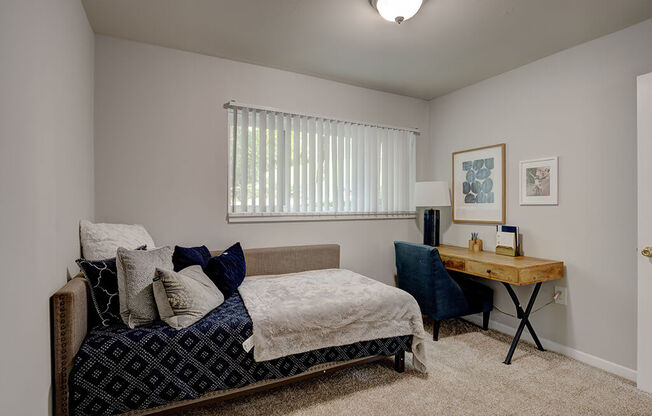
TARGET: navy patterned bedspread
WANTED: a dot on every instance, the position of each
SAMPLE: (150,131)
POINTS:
(118,369)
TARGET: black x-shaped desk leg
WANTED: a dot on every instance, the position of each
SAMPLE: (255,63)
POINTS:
(523,315)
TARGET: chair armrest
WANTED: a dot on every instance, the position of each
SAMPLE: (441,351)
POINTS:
(69,326)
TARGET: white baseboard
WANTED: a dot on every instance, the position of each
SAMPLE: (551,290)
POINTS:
(578,355)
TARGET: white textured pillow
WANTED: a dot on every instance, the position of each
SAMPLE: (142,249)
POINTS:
(101,241)
(136,271)
(184,297)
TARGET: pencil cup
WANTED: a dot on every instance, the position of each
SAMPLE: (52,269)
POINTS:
(477,247)
(471,244)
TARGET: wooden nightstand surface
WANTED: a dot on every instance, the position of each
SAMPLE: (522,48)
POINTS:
(521,270)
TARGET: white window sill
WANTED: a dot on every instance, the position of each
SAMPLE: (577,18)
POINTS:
(286,217)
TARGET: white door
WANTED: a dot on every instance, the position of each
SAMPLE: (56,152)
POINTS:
(644,367)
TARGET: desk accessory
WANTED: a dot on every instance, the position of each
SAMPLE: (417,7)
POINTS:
(431,194)
(507,240)
(475,244)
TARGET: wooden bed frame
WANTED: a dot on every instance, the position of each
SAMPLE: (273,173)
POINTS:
(70,324)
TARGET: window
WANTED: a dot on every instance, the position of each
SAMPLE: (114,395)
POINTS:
(285,166)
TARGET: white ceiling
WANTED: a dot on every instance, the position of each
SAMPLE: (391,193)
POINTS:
(449,44)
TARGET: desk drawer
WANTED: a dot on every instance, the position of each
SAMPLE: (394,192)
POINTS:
(453,263)
(492,271)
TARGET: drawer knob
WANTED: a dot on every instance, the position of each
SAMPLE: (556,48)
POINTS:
(488,270)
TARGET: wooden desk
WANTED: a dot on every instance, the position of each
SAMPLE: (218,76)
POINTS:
(517,271)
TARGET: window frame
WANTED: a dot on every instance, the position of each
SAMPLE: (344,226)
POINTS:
(234,216)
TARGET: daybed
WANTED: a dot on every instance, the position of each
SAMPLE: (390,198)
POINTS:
(158,370)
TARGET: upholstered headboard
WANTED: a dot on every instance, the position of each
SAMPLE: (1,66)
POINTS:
(70,303)
(280,260)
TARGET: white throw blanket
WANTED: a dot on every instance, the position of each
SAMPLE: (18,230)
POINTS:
(299,312)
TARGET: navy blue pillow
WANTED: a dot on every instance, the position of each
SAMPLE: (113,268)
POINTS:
(190,256)
(227,270)
(102,278)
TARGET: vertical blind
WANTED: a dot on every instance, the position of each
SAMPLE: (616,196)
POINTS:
(293,165)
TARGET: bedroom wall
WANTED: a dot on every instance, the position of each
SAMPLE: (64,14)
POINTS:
(161,145)
(580,105)
(46,181)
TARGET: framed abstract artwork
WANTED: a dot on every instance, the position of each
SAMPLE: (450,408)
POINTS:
(479,185)
(538,181)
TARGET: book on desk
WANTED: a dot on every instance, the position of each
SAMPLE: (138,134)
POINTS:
(507,240)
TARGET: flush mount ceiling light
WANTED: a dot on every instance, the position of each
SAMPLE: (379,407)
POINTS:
(396,10)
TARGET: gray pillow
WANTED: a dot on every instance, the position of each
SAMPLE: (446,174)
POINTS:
(101,241)
(136,270)
(184,297)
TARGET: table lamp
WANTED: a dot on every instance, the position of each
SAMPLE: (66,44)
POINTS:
(429,195)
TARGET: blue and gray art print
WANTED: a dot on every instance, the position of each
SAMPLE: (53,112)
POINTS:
(478,186)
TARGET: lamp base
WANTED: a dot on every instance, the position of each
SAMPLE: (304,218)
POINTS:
(431,227)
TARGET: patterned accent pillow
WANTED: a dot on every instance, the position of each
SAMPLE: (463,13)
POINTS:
(136,271)
(184,297)
(227,270)
(102,278)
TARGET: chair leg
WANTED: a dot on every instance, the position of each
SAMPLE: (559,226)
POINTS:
(435,331)
(485,320)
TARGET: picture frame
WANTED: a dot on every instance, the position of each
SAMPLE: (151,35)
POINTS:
(539,181)
(478,187)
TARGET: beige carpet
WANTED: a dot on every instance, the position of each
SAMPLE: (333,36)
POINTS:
(466,377)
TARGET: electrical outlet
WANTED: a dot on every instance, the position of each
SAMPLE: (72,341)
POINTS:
(562,295)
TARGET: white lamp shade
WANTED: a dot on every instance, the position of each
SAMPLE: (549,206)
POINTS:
(403,9)
(432,194)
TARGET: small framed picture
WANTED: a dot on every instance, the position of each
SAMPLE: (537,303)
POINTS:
(479,185)
(539,181)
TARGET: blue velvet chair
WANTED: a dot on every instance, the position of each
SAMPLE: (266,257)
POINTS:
(422,274)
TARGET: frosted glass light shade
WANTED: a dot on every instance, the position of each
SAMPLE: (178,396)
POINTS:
(397,10)
(432,194)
